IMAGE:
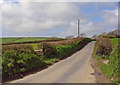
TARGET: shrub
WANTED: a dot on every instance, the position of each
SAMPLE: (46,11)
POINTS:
(48,49)
(112,68)
(65,42)
(104,46)
(84,42)
(18,59)
(51,49)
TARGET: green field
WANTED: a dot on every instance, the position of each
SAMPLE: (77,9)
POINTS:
(12,40)
(8,40)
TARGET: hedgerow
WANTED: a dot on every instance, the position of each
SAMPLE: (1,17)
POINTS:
(50,50)
(22,58)
(18,59)
(104,46)
(112,68)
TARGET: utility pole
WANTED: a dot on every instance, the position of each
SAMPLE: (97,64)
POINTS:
(78,27)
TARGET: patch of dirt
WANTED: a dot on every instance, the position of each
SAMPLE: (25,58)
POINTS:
(99,78)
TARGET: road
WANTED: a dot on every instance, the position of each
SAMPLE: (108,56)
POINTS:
(74,69)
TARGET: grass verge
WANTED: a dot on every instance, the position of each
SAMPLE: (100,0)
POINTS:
(111,69)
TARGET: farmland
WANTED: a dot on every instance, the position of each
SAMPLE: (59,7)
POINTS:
(26,39)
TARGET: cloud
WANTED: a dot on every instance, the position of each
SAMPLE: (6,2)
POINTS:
(66,0)
(110,18)
(28,18)
(110,22)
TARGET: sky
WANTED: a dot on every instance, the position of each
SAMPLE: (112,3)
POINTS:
(57,19)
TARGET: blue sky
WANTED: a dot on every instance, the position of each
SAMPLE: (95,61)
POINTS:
(57,19)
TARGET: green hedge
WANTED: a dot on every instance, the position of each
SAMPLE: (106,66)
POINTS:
(112,68)
(64,50)
(18,59)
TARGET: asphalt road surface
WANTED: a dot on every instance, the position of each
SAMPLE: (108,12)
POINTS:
(74,69)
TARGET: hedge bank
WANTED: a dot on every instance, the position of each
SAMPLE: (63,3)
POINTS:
(22,58)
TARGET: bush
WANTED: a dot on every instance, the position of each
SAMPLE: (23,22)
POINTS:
(60,51)
(84,42)
(104,46)
(48,49)
(63,47)
(18,59)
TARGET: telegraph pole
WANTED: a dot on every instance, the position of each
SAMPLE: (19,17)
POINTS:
(78,27)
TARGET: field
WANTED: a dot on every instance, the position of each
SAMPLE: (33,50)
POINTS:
(26,39)
(8,40)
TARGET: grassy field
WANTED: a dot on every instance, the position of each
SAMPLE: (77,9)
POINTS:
(12,40)
(8,40)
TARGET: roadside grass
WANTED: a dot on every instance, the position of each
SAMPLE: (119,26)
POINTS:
(110,69)
(51,60)
(114,41)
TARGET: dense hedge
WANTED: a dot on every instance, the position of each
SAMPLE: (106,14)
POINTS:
(19,58)
(112,69)
(104,46)
(63,50)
